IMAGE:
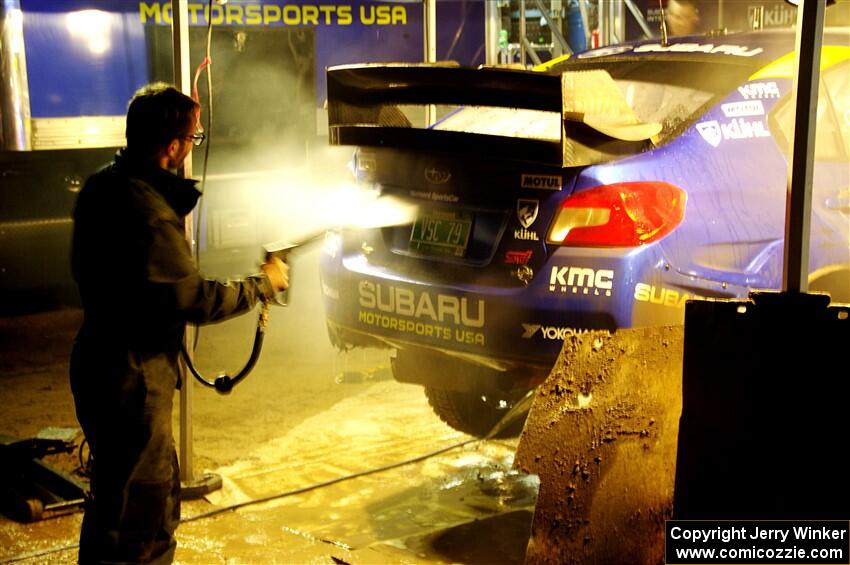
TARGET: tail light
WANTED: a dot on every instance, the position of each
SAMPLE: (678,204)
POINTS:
(626,214)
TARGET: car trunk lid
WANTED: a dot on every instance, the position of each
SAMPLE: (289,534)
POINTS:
(485,154)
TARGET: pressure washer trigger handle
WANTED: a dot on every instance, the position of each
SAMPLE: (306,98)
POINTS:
(281,250)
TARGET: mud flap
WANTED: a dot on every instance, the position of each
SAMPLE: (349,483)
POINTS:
(601,435)
(764,416)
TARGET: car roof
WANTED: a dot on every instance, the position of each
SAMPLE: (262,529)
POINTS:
(763,46)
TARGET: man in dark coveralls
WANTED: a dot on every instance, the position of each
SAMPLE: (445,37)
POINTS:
(139,287)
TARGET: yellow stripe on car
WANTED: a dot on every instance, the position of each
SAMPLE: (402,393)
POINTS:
(549,64)
(784,66)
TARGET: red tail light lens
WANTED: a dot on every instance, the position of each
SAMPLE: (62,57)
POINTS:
(626,214)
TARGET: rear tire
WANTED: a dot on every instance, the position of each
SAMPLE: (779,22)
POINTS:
(474,413)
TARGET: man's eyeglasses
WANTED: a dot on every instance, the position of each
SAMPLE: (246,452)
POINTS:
(197,138)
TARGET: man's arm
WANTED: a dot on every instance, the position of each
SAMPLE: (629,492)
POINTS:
(174,283)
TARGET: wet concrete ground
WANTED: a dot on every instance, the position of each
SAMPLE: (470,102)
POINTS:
(451,507)
(464,505)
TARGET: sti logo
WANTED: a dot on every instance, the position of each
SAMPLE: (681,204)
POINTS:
(526,211)
(518,257)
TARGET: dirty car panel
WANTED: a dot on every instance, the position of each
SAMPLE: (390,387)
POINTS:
(596,194)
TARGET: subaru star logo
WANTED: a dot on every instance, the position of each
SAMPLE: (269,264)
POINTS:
(437,175)
(710,131)
(526,211)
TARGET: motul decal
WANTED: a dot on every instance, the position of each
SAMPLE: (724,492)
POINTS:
(544,182)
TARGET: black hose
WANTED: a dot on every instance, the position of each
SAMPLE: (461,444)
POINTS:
(224,383)
(327,483)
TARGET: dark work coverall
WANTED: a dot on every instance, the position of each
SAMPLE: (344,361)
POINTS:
(139,286)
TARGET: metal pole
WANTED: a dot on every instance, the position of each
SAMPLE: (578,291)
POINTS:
(798,209)
(430,56)
(492,25)
(532,54)
(430,30)
(639,18)
(14,89)
(180,44)
(618,23)
(603,22)
(522,40)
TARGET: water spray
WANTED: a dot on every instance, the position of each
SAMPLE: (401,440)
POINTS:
(365,210)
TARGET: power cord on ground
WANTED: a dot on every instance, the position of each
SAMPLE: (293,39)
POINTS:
(261,500)
(326,483)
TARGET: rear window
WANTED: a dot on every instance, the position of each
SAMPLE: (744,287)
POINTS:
(508,122)
(672,93)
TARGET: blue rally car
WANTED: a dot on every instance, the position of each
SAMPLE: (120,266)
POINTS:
(595,193)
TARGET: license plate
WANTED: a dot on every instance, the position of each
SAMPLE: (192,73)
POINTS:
(441,232)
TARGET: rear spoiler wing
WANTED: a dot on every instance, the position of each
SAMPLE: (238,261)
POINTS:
(364,100)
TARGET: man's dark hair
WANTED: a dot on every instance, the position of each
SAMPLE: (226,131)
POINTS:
(157,114)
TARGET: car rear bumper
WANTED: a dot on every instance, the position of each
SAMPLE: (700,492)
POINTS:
(575,291)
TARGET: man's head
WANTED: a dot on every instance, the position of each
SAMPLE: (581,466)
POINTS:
(161,121)
(682,17)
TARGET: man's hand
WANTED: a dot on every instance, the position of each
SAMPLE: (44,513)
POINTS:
(278,273)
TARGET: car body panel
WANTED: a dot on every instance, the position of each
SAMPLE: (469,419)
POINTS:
(510,305)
